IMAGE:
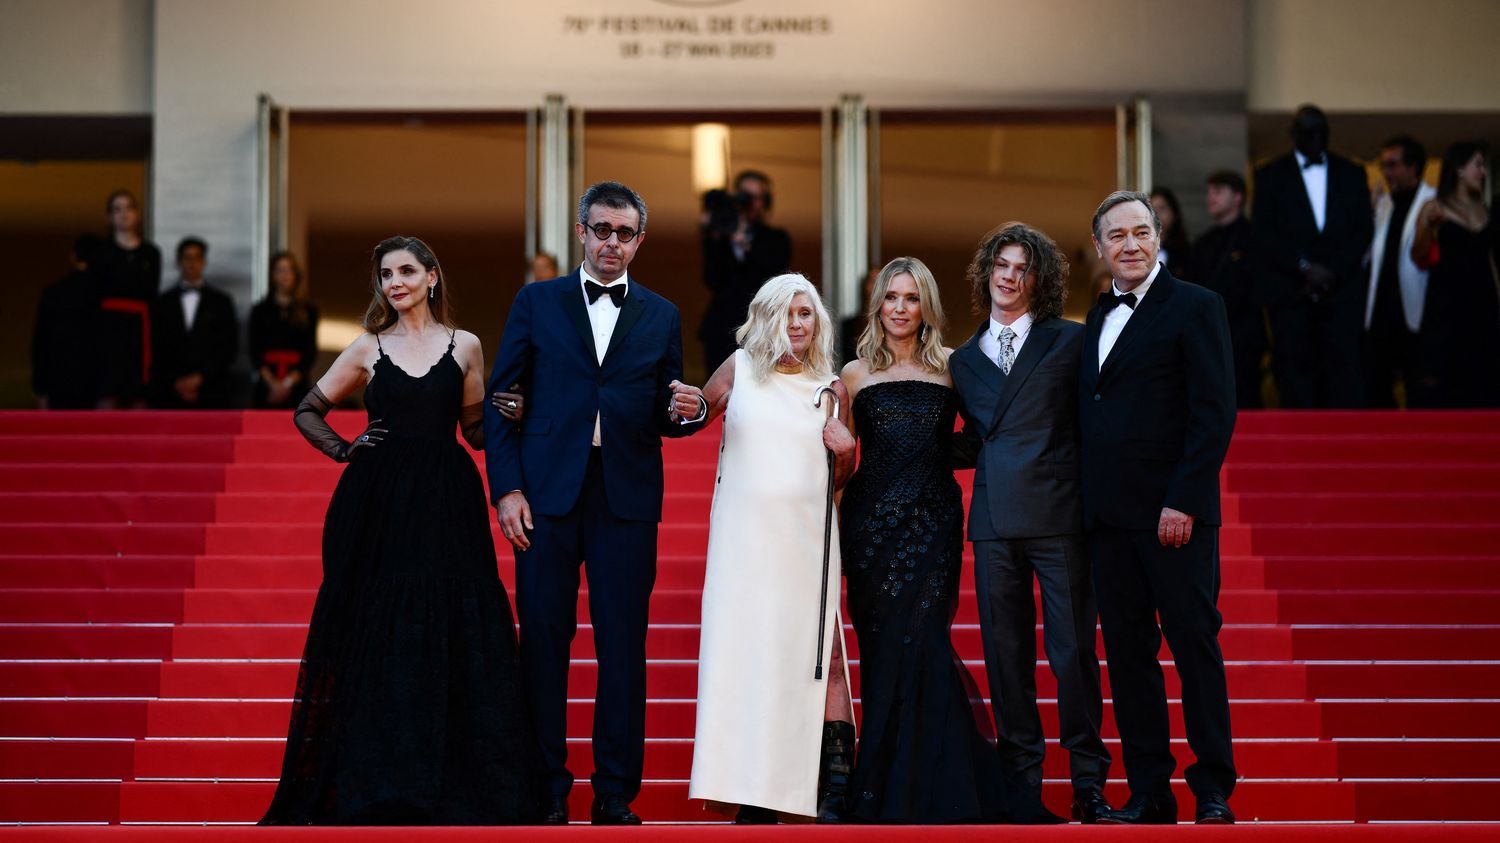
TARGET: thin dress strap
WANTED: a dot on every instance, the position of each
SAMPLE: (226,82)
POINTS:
(452,340)
(378,346)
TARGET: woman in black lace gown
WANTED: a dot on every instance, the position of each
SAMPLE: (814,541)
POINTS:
(408,710)
(921,756)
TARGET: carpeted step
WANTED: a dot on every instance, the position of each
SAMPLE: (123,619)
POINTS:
(230,718)
(678,679)
(1331,478)
(206,605)
(1242,642)
(665,758)
(1412,757)
(1336,423)
(659,800)
(1436,449)
(1365,508)
(1395,642)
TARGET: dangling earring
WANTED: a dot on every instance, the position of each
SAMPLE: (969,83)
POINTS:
(922,333)
(430,291)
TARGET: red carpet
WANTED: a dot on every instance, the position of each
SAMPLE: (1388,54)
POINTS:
(158,572)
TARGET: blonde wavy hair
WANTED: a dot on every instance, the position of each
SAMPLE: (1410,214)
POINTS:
(763,336)
(930,355)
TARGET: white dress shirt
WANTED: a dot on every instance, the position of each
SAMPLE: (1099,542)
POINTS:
(603,314)
(192,296)
(989,343)
(1315,179)
(1114,321)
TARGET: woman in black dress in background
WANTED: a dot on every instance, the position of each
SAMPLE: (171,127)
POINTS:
(283,337)
(921,755)
(128,271)
(408,710)
(1460,336)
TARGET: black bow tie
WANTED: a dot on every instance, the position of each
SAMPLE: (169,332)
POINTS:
(1313,162)
(616,292)
(1109,301)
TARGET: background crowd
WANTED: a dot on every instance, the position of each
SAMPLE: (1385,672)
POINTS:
(1348,296)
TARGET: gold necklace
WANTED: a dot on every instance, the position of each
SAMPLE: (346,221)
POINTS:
(793,369)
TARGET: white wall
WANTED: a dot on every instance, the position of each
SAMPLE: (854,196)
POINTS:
(75,56)
(213,58)
(1374,55)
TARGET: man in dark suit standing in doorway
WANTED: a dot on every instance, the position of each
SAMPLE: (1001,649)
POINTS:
(1313,223)
(1017,380)
(578,483)
(195,336)
(1156,402)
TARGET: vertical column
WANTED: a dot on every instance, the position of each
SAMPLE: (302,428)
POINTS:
(851,206)
(1133,145)
(554,183)
(270,227)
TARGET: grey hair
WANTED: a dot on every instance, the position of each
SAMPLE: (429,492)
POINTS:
(763,336)
(610,194)
(1121,197)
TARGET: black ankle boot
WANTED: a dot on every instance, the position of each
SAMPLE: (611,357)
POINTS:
(837,764)
(756,815)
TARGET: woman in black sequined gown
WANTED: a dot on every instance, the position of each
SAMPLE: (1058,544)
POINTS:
(408,709)
(921,756)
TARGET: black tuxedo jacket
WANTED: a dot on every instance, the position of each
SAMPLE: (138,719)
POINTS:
(1286,233)
(1157,417)
(1025,424)
(208,349)
(548,347)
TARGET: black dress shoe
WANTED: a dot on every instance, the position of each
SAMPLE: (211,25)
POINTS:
(612,810)
(1089,805)
(1213,810)
(1144,810)
(555,810)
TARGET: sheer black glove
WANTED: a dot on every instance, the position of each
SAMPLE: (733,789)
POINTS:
(471,425)
(312,424)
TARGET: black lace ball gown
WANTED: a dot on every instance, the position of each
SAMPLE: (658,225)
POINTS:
(921,757)
(408,710)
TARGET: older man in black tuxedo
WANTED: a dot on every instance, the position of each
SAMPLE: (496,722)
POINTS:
(1157,407)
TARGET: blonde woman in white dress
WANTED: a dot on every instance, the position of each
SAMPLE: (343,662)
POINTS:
(772,741)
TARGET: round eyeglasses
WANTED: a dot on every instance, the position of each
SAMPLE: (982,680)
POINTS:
(603,230)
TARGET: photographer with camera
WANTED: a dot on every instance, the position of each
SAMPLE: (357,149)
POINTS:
(740,251)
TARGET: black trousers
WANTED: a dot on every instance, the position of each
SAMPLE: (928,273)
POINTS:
(620,559)
(1316,353)
(1137,579)
(1003,571)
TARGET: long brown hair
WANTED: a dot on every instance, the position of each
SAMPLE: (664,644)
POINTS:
(297,313)
(380,315)
(1046,264)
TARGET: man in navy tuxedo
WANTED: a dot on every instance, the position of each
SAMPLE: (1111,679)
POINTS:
(1156,404)
(578,483)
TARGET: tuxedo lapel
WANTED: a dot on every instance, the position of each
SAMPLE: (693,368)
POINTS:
(984,368)
(1139,323)
(1038,343)
(1092,325)
(1298,187)
(630,313)
(572,304)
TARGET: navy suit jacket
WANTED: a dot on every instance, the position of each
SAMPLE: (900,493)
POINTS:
(1026,426)
(1158,416)
(548,347)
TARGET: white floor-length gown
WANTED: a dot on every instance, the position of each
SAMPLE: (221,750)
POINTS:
(760,711)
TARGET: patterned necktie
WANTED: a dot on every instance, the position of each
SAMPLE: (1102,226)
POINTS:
(1007,350)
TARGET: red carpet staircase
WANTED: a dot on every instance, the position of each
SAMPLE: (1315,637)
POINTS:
(157,572)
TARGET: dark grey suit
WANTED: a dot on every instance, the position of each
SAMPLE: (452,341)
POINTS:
(1026,519)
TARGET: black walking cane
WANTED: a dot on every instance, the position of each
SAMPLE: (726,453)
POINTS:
(827,535)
